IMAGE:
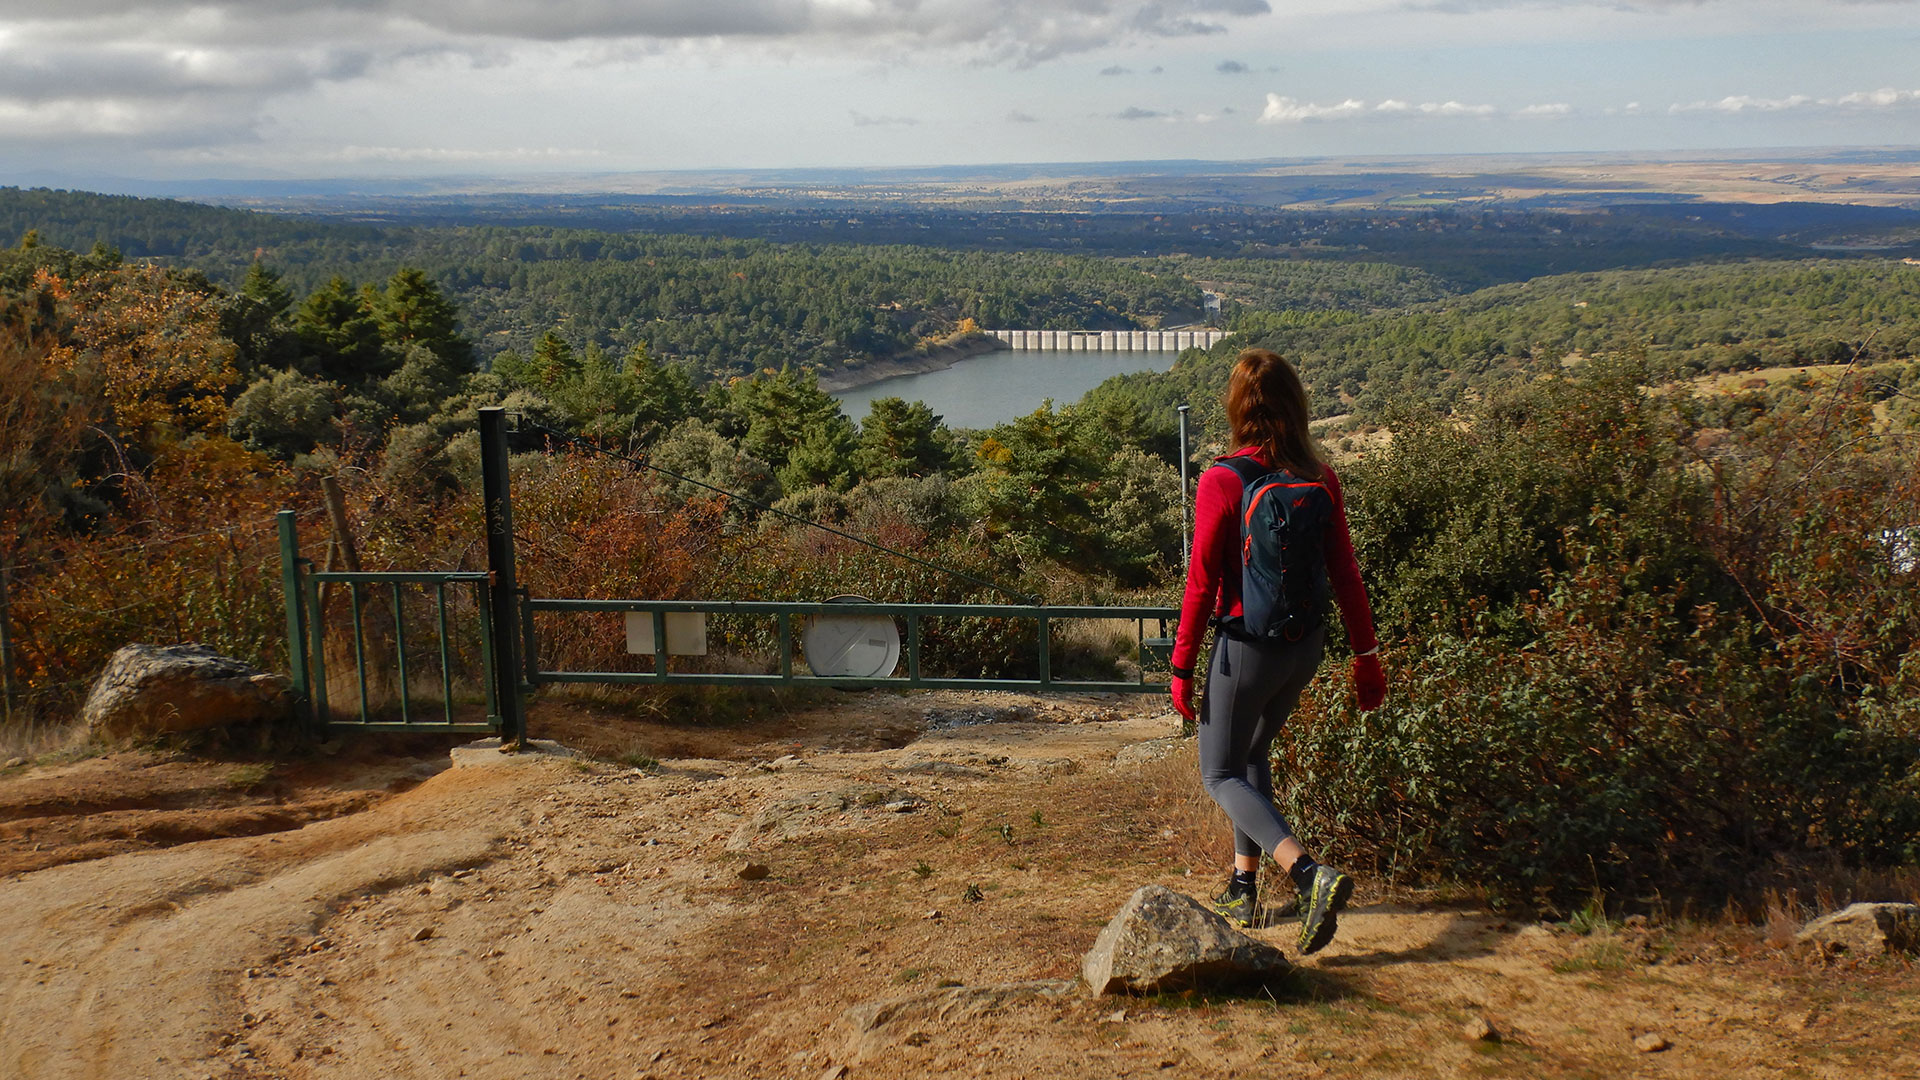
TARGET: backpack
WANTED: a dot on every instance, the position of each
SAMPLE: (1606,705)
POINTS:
(1283,565)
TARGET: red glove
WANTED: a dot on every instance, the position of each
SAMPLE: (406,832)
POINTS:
(1369,683)
(1183,697)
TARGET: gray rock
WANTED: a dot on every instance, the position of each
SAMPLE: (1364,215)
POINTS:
(947,719)
(1161,940)
(800,815)
(953,763)
(162,689)
(490,751)
(935,767)
(1866,929)
(1141,753)
(878,1025)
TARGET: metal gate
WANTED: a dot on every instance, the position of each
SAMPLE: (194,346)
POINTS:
(503,656)
(381,678)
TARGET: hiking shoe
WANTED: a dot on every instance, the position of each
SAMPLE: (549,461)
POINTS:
(1236,908)
(1320,905)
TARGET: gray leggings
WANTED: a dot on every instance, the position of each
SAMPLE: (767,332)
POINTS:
(1251,688)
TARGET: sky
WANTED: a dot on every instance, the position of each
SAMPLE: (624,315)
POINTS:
(310,88)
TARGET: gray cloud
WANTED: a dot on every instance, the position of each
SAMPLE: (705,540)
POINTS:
(1016,29)
(1230,67)
(1471,7)
(126,72)
(1018,117)
(160,69)
(1137,113)
(861,119)
(1116,70)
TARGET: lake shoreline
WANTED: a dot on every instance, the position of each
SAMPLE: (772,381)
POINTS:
(995,386)
(918,362)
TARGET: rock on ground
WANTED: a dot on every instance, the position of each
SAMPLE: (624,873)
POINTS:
(162,689)
(875,1026)
(1161,940)
(787,819)
(1866,929)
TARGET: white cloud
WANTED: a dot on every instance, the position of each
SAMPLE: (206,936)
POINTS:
(1885,98)
(1558,108)
(1454,108)
(1742,103)
(354,154)
(1285,110)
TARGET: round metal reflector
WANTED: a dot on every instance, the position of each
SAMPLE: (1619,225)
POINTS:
(851,646)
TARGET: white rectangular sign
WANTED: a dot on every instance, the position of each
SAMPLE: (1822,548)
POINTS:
(686,633)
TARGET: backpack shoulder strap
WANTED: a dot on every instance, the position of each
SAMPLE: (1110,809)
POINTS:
(1247,469)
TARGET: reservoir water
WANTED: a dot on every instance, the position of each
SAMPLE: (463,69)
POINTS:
(995,387)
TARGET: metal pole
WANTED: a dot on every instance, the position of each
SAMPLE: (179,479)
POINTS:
(296,614)
(1186,545)
(496,493)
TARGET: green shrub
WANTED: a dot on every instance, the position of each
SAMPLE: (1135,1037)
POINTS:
(1700,684)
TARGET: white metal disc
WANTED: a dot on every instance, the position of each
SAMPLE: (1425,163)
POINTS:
(851,646)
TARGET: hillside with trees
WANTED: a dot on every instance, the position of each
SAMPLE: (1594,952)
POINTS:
(1619,614)
(1684,321)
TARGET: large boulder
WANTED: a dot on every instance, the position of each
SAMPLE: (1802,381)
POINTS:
(1161,940)
(1866,929)
(162,689)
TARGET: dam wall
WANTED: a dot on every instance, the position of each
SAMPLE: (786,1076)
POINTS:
(1107,340)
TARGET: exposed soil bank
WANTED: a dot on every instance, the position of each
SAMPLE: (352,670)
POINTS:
(917,362)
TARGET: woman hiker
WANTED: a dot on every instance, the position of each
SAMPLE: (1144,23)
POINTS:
(1270,512)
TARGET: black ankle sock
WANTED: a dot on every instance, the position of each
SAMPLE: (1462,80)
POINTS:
(1243,882)
(1302,872)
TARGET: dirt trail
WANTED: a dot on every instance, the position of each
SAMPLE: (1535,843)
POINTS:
(572,920)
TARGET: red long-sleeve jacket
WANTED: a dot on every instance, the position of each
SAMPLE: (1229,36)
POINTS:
(1213,576)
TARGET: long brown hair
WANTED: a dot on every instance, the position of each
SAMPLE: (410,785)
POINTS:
(1267,408)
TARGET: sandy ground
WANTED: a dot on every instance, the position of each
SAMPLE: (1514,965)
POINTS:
(934,867)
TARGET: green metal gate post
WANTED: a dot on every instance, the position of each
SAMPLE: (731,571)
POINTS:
(502,590)
(296,614)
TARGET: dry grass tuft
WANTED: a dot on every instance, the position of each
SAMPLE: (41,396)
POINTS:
(33,739)
(1782,918)
(1202,838)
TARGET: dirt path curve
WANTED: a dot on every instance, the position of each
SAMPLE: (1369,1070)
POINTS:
(713,918)
(127,966)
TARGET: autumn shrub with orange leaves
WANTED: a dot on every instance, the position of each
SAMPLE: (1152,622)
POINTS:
(128,514)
